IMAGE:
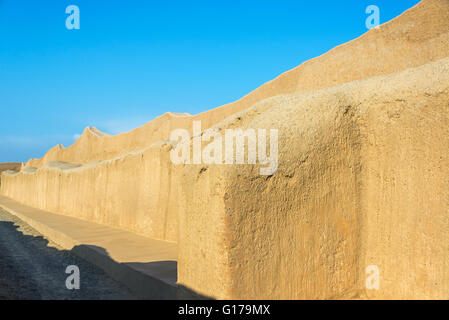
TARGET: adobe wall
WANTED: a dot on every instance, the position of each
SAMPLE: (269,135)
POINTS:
(363,180)
(407,192)
(363,177)
(418,36)
(136,192)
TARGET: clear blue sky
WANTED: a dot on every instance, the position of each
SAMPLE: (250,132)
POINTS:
(134,60)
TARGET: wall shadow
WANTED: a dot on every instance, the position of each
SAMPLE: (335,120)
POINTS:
(30,269)
(155,280)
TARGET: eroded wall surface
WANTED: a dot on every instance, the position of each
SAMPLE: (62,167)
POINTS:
(136,192)
(418,36)
(362,179)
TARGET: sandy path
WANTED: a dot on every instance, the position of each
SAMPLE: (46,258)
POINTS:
(33,268)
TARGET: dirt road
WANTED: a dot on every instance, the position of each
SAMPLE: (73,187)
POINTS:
(31,267)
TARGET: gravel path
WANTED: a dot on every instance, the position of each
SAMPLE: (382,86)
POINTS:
(31,267)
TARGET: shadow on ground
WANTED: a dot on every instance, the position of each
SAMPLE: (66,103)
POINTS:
(30,268)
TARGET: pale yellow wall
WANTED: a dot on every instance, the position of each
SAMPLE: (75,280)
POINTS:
(407,196)
(363,177)
(418,36)
(363,180)
(136,192)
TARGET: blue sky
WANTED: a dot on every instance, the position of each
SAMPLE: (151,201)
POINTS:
(134,60)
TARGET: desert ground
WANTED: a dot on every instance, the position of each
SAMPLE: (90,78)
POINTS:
(33,268)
